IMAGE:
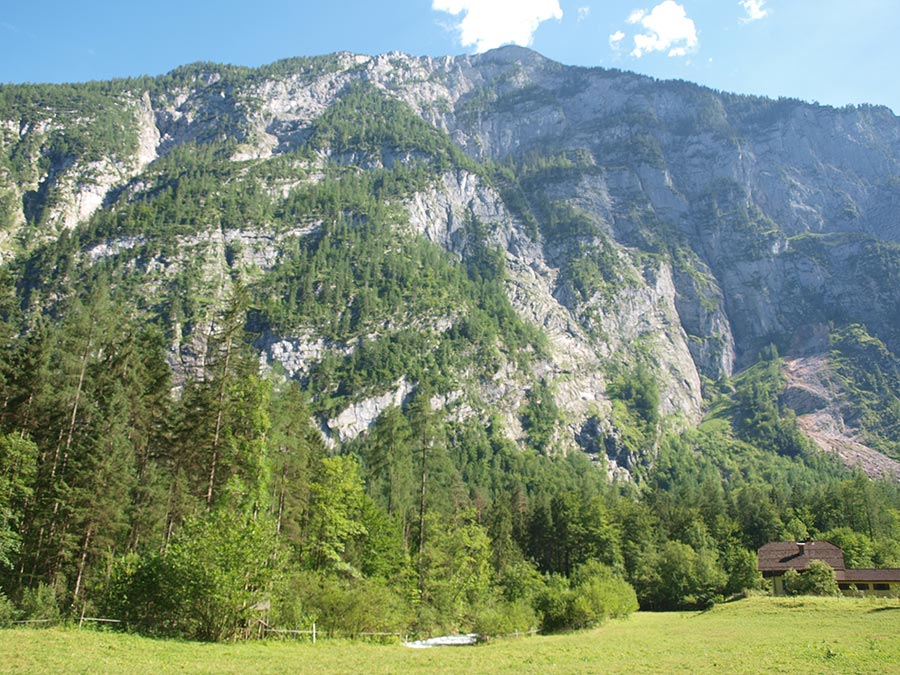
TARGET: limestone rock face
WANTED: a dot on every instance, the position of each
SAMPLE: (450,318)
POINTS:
(359,417)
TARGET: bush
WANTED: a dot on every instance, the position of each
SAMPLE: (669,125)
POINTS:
(40,604)
(606,593)
(137,595)
(817,579)
(555,605)
(678,577)
(743,575)
(347,607)
(594,594)
(521,581)
(8,612)
(501,618)
(216,569)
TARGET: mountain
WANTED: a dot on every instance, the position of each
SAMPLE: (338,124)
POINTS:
(637,222)
(397,310)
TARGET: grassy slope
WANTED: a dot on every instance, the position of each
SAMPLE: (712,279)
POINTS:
(752,636)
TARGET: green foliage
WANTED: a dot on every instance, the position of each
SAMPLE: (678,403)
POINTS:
(757,415)
(40,603)
(8,208)
(868,372)
(639,391)
(504,618)
(18,466)
(336,501)
(180,504)
(679,577)
(366,122)
(591,265)
(556,605)
(91,121)
(205,585)
(456,575)
(388,457)
(594,594)
(604,593)
(741,567)
(816,579)
(346,608)
(635,412)
(8,611)
(859,550)
(540,417)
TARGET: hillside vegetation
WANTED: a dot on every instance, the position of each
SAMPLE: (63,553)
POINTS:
(414,345)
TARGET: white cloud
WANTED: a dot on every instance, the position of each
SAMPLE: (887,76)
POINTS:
(755,10)
(667,27)
(615,40)
(636,16)
(486,24)
(583,13)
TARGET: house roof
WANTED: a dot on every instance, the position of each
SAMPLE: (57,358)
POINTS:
(780,556)
(868,575)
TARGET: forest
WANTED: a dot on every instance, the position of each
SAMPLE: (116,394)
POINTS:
(181,515)
(204,501)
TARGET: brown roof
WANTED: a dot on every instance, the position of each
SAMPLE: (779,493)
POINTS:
(781,556)
(868,575)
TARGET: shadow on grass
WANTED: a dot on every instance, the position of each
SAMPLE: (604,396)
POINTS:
(884,609)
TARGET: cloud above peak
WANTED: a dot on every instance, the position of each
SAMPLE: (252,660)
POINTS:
(666,28)
(486,24)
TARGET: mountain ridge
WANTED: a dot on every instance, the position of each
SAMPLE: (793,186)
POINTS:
(696,225)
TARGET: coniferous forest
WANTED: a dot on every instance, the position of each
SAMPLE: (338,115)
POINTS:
(157,469)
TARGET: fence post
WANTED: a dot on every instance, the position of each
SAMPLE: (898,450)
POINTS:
(314,632)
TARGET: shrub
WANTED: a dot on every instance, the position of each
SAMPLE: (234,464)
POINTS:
(216,569)
(501,618)
(40,603)
(678,577)
(594,594)
(8,611)
(555,604)
(347,607)
(817,579)
(606,593)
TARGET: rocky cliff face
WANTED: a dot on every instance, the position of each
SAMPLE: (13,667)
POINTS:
(641,222)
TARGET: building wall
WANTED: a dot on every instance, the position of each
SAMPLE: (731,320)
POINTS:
(869,589)
(849,588)
(778,585)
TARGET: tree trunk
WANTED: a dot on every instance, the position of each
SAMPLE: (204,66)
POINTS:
(81,563)
(74,416)
(422,505)
(218,432)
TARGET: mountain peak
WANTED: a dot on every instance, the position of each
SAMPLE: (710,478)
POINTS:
(511,54)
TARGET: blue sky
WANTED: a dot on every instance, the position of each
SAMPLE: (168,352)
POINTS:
(831,51)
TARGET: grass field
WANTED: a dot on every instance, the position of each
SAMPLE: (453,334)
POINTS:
(757,635)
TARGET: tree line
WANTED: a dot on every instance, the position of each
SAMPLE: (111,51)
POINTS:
(181,514)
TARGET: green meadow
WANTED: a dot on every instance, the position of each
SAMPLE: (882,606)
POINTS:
(757,635)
